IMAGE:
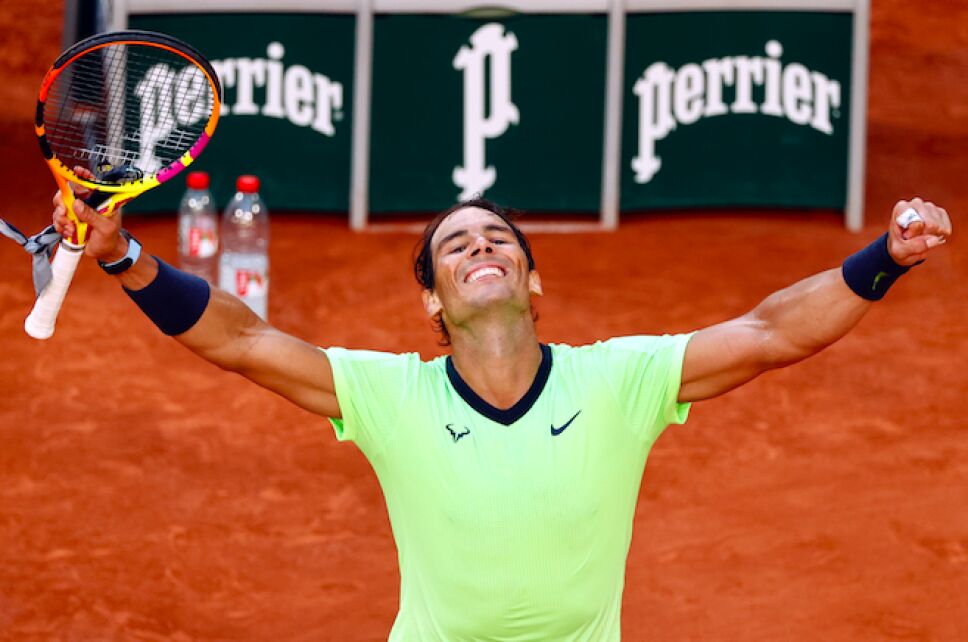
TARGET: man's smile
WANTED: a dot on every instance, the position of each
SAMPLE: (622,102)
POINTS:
(484,271)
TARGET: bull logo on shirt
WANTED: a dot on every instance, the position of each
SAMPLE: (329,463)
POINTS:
(457,433)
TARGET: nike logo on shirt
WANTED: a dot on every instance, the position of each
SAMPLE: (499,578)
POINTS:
(557,431)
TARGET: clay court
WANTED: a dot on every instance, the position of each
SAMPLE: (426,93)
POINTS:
(147,496)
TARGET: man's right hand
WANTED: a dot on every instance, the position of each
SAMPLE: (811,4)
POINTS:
(104,242)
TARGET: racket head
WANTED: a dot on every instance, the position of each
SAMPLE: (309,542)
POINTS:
(122,112)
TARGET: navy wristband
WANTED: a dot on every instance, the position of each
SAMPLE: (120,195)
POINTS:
(174,301)
(872,271)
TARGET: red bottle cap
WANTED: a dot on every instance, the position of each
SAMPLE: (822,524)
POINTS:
(247,183)
(198,180)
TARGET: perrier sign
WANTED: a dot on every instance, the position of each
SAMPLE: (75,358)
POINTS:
(511,108)
(729,108)
(736,109)
(287,86)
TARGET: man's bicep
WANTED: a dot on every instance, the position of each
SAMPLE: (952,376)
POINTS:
(722,357)
(297,370)
(232,337)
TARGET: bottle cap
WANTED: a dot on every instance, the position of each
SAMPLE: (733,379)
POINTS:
(247,183)
(198,180)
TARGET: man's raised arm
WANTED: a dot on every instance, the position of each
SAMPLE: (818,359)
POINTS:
(803,319)
(213,324)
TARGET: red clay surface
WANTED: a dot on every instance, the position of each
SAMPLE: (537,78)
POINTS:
(145,495)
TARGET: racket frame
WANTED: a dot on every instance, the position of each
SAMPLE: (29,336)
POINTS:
(121,193)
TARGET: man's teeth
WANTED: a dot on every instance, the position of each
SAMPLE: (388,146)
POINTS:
(479,274)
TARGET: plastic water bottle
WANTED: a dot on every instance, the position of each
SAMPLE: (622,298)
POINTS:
(198,229)
(244,265)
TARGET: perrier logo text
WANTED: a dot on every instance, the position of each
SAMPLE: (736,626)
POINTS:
(295,93)
(668,98)
(261,86)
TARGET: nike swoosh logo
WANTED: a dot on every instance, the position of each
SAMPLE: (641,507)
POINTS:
(877,279)
(557,431)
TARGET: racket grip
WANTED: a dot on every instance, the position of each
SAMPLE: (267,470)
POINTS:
(40,322)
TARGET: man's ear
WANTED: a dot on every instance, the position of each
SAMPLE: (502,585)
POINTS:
(431,303)
(534,283)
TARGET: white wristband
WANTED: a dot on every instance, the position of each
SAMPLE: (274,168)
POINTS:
(126,261)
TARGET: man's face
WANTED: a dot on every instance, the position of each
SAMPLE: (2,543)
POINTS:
(478,263)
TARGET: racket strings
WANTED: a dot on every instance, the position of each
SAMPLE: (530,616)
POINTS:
(132,105)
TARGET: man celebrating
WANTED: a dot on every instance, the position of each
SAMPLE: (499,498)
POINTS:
(510,468)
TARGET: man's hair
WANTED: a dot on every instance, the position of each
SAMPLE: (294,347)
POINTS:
(423,262)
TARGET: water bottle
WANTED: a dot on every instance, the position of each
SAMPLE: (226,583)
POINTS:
(244,265)
(198,229)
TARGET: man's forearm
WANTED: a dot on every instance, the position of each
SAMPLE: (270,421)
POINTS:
(226,331)
(218,332)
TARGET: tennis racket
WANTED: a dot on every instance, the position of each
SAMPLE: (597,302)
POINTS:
(118,114)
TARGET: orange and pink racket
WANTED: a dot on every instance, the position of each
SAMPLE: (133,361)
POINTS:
(118,114)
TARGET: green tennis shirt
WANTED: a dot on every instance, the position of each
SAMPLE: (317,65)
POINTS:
(511,524)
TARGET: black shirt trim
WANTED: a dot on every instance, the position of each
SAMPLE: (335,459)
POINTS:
(510,415)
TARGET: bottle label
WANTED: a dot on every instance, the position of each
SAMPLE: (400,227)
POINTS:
(202,242)
(251,283)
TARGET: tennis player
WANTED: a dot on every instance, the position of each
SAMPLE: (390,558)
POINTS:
(510,468)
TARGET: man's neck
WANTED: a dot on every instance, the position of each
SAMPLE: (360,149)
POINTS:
(498,361)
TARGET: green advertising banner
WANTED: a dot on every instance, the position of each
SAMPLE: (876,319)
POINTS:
(512,108)
(736,109)
(288,85)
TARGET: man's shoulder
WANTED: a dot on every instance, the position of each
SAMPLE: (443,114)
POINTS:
(628,342)
(362,354)
(613,350)
(406,363)
(373,386)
